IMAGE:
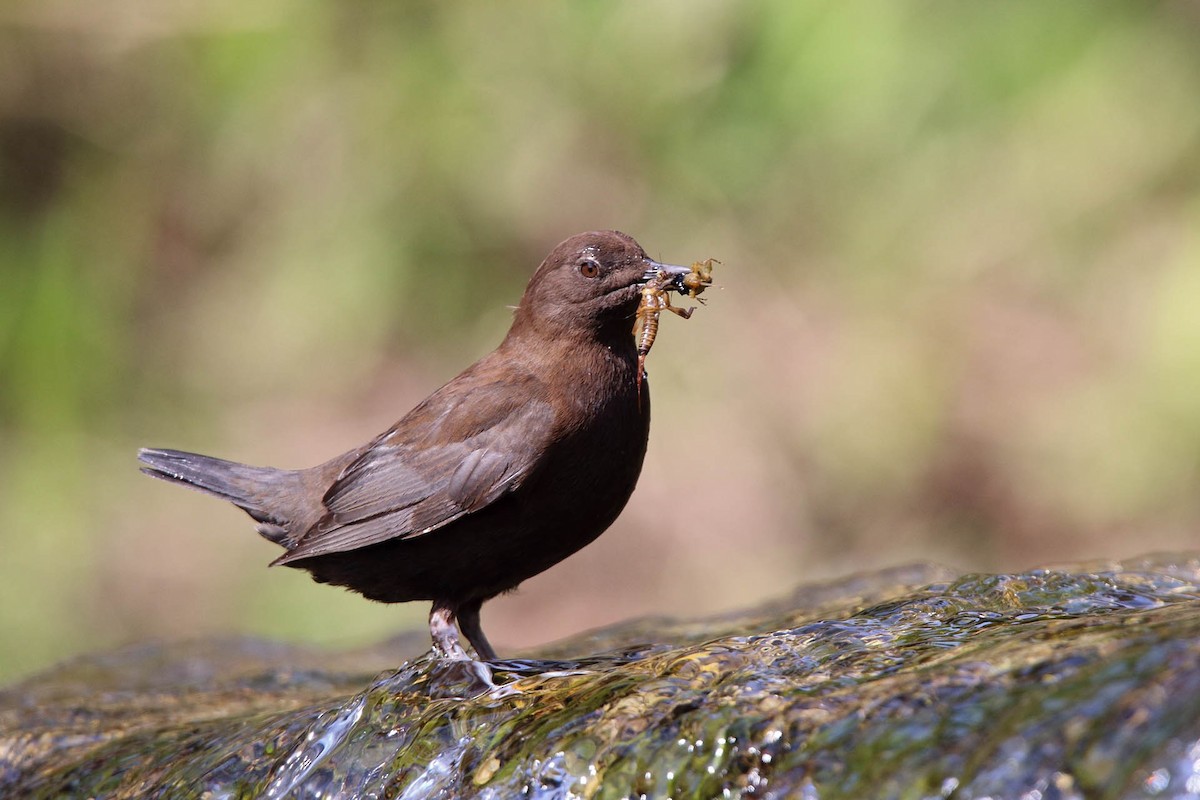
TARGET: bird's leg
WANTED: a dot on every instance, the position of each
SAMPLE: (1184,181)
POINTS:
(468,622)
(444,634)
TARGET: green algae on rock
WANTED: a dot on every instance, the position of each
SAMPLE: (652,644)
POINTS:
(1077,682)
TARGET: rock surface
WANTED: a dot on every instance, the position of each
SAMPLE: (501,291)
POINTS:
(1077,682)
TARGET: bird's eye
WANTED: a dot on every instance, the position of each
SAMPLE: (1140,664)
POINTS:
(589,268)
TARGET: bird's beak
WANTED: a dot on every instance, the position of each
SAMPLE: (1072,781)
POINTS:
(653,269)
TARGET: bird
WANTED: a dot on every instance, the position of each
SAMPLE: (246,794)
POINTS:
(521,460)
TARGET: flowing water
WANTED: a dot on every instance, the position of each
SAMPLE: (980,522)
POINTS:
(1078,682)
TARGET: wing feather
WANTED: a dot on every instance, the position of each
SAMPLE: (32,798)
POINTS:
(453,455)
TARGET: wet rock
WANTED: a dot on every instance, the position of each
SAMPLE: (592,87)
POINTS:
(1080,682)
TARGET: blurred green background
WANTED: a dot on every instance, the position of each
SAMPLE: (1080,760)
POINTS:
(959,317)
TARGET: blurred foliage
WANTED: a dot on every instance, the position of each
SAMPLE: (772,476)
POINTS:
(959,241)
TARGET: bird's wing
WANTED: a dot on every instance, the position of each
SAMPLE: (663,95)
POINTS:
(454,454)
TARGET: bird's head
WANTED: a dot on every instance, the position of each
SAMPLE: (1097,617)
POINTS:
(591,284)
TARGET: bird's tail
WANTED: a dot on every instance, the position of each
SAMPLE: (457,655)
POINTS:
(261,492)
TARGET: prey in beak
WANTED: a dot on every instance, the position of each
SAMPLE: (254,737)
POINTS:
(660,279)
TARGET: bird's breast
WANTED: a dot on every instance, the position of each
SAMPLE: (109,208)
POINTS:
(593,464)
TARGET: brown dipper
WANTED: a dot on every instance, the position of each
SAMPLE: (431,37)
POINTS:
(509,468)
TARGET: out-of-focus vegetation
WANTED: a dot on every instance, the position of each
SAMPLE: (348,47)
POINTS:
(960,249)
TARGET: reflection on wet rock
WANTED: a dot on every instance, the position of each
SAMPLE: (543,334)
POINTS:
(1070,682)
